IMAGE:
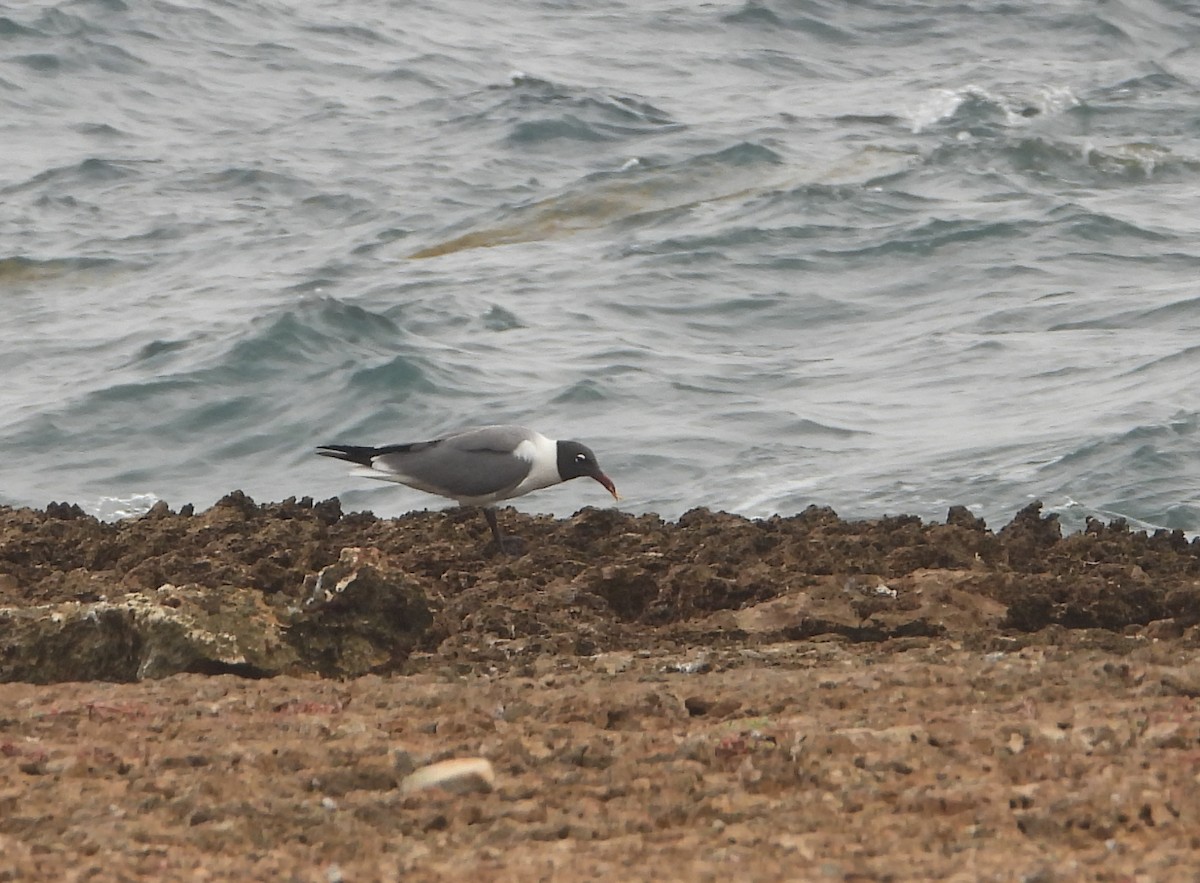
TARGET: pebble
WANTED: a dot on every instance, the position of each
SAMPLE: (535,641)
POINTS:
(461,775)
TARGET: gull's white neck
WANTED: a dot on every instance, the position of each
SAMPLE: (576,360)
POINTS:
(541,454)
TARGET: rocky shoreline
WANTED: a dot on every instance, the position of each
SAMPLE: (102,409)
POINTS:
(299,587)
(794,698)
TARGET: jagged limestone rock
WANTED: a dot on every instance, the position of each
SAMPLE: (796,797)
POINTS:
(144,635)
(362,616)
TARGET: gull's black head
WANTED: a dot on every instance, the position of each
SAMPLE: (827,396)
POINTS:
(576,460)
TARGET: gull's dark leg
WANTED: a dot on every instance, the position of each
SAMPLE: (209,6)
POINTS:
(490,515)
(511,545)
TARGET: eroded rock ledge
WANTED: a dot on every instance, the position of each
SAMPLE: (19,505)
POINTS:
(299,587)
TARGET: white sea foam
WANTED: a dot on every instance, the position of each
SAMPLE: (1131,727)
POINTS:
(120,508)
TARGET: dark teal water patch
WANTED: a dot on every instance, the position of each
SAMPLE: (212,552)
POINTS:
(744,153)
(215,417)
(178,388)
(586,117)
(1081,225)
(41,62)
(382,238)
(339,204)
(90,171)
(1185,359)
(326,327)
(499,319)
(344,34)
(1142,473)
(756,14)
(531,111)
(100,130)
(159,348)
(581,392)
(262,182)
(1156,83)
(929,237)
(278,346)
(566,126)
(273,351)
(10,28)
(393,381)
(1183,517)
(1168,317)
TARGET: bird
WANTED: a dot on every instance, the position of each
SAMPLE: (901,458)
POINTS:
(480,466)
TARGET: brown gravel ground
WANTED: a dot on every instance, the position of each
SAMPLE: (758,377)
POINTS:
(794,699)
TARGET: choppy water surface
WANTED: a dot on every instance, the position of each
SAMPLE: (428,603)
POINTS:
(886,257)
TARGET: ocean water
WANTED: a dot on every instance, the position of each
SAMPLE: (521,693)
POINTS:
(882,256)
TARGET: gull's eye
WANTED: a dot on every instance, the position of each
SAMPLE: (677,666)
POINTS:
(581,458)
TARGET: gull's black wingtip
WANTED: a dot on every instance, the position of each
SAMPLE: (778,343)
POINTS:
(353,453)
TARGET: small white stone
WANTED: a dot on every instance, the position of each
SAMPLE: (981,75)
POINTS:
(461,775)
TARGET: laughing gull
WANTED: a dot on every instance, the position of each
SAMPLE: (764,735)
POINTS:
(477,467)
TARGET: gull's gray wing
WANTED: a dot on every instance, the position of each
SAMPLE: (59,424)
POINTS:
(470,464)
